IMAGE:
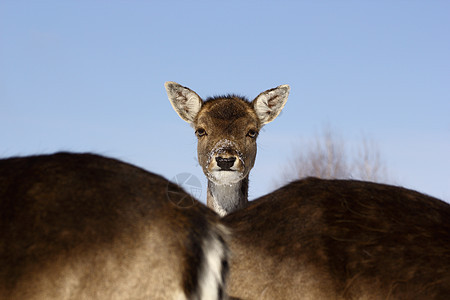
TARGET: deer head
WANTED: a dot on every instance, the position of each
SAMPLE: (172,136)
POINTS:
(227,128)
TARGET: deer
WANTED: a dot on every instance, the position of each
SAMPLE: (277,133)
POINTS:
(340,239)
(312,238)
(83,226)
(227,128)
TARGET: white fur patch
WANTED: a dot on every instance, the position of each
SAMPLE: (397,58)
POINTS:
(225,197)
(211,275)
(225,177)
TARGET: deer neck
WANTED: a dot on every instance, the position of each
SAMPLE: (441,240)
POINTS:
(227,198)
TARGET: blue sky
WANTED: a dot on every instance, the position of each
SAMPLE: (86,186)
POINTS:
(89,76)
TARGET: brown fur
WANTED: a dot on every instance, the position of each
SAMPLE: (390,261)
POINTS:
(81,226)
(228,118)
(339,239)
(227,128)
(88,227)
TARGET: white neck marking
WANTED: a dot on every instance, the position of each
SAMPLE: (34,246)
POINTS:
(225,198)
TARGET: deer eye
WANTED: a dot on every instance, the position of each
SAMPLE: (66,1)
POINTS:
(252,133)
(200,132)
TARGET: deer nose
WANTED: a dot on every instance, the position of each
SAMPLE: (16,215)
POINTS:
(225,163)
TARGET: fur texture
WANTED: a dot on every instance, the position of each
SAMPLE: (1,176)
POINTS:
(82,226)
(341,239)
(227,128)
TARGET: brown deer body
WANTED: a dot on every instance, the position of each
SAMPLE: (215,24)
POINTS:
(338,239)
(81,226)
(227,128)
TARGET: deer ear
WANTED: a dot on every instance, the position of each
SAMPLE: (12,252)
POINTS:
(269,104)
(185,102)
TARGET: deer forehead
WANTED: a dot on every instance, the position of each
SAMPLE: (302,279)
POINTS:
(232,111)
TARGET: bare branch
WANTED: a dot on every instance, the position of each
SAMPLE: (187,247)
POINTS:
(328,156)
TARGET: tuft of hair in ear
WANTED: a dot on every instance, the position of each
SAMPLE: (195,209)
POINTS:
(269,104)
(184,101)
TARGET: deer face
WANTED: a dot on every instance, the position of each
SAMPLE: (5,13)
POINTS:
(226,128)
